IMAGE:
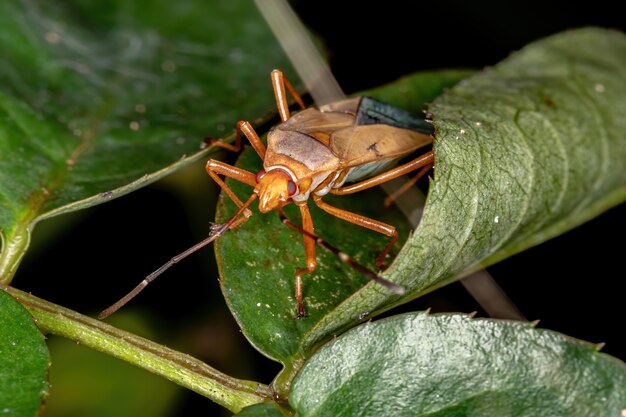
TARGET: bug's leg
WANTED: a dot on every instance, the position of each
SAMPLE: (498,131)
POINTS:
(216,168)
(393,196)
(243,127)
(396,289)
(309,250)
(279,82)
(419,162)
(363,221)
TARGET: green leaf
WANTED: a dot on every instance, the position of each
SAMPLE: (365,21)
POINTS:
(257,260)
(97,97)
(24,361)
(452,365)
(524,151)
(264,410)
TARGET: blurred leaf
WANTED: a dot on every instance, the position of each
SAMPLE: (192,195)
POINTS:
(97,96)
(257,260)
(452,365)
(88,383)
(24,361)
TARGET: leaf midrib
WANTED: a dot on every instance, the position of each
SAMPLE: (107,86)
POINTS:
(15,242)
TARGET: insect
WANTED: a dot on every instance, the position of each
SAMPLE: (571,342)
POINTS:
(310,154)
(316,151)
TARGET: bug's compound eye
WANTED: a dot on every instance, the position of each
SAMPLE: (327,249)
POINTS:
(291,188)
(259,175)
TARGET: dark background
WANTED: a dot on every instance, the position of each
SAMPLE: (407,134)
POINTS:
(572,283)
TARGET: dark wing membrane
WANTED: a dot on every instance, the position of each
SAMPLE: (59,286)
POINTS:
(373,112)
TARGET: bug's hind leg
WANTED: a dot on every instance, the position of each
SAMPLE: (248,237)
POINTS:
(308,235)
(406,186)
(363,221)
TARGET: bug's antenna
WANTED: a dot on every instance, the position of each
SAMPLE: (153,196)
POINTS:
(305,58)
(216,231)
(394,288)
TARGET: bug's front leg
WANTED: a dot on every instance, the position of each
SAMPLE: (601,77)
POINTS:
(216,168)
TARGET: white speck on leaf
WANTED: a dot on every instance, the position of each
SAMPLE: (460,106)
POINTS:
(599,89)
(236,55)
(168,66)
(134,125)
(496,219)
(52,37)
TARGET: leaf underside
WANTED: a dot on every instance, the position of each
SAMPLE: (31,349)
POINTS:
(524,151)
(452,365)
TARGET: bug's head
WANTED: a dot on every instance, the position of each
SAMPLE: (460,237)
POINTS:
(274,188)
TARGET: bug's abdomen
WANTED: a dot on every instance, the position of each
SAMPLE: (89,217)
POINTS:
(365,171)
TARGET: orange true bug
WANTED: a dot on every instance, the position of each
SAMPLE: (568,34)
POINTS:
(312,153)
(317,150)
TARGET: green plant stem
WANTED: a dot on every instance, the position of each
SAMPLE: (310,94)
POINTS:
(12,249)
(180,368)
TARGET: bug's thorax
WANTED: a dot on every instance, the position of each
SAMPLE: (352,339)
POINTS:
(299,151)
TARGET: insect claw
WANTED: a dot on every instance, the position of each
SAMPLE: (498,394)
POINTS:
(217,228)
(397,289)
(301,313)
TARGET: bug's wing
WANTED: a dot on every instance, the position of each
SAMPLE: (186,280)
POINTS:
(375,145)
(379,136)
(313,121)
(372,111)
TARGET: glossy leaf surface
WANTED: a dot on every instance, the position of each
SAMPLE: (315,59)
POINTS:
(452,365)
(24,361)
(97,97)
